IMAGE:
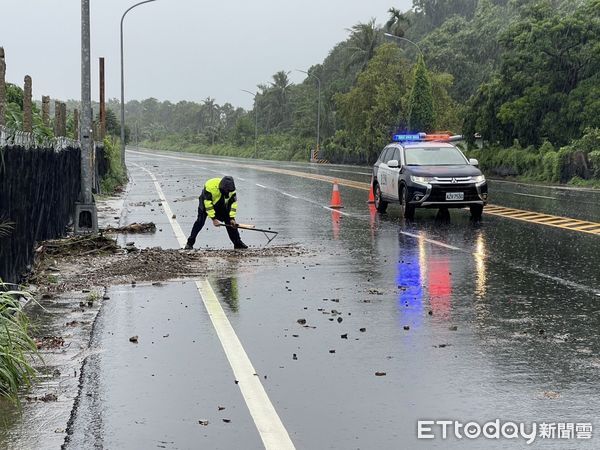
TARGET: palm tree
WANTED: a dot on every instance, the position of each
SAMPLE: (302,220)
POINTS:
(364,39)
(210,108)
(395,24)
(280,86)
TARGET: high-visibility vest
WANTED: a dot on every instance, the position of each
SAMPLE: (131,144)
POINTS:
(212,198)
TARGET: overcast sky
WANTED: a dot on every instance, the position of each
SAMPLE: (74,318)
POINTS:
(176,49)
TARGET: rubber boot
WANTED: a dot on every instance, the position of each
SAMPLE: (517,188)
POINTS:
(240,245)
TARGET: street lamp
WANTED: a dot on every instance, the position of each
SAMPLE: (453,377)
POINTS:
(316,155)
(253,94)
(123,85)
(404,39)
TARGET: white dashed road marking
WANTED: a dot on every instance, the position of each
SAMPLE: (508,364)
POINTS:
(269,425)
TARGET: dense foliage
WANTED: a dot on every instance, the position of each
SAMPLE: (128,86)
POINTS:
(523,74)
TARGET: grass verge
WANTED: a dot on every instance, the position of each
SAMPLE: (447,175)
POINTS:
(17,348)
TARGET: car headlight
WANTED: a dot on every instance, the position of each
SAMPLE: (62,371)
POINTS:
(479,179)
(421,180)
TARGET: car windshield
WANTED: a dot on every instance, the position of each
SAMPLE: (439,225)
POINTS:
(434,156)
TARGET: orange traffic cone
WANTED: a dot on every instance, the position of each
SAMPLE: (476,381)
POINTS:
(371,196)
(336,200)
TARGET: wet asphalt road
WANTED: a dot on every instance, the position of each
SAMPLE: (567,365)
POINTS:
(469,322)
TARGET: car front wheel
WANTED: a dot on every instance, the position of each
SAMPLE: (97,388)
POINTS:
(380,204)
(476,211)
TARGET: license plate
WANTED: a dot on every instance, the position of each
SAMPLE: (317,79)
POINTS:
(450,196)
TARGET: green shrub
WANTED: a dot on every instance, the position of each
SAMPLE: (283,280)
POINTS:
(594,158)
(16,345)
(115,175)
(550,167)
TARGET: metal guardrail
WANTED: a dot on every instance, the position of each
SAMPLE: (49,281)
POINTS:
(29,140)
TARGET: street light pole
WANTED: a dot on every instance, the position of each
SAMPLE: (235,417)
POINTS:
(318,112)
(405,39)
(86,106)
(123,85)
(253,94)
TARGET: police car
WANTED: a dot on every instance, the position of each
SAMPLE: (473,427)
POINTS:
(426,171)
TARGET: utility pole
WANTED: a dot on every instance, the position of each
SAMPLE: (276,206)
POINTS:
(253,94)
(102,102)
(123,84)
(316,154)
(86,219)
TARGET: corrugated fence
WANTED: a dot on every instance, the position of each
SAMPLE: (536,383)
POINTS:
(39,185)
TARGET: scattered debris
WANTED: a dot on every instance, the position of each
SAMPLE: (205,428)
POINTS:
(85,262)
(49,343)
(362,330)
(380,374)
(301,321)
(406,327)
(76,246)
(133,339)
(135,227)
(453,328)
(49,397)
(551,394)
(203,422)
(227,420)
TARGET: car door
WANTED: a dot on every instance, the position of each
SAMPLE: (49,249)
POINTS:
(383,173)
(394,174)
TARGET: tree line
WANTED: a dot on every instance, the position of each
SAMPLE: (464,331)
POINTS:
(524,74)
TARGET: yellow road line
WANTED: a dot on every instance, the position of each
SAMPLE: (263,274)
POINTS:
(565,223)
(586,226)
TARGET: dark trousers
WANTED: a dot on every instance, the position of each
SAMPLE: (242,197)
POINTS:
(223,216)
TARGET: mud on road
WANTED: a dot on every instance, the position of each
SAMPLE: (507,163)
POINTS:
(81,263)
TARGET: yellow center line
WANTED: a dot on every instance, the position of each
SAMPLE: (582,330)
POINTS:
(588,225)
(495,210)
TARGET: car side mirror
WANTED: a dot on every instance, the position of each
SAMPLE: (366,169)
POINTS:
(393,164)
(473,162)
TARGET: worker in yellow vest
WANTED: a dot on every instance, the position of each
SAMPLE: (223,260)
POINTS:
(218,202)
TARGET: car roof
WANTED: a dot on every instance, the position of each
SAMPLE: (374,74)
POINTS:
(428,144)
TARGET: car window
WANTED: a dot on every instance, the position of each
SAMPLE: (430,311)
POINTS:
(384,155)
(396,155)
(434,156)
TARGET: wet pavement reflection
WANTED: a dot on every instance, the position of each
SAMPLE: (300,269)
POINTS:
(472,321)
(382,323)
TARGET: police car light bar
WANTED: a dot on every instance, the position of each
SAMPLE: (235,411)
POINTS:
(409,137)
(420,137)
(437,137)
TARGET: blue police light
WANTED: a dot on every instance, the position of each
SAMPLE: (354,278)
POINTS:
(408,137)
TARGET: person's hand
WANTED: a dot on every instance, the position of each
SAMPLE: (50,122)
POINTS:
(216,222)
(232,222)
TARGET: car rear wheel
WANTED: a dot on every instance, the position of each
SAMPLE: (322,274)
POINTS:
(476,211)
(380,204)
(409,210)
